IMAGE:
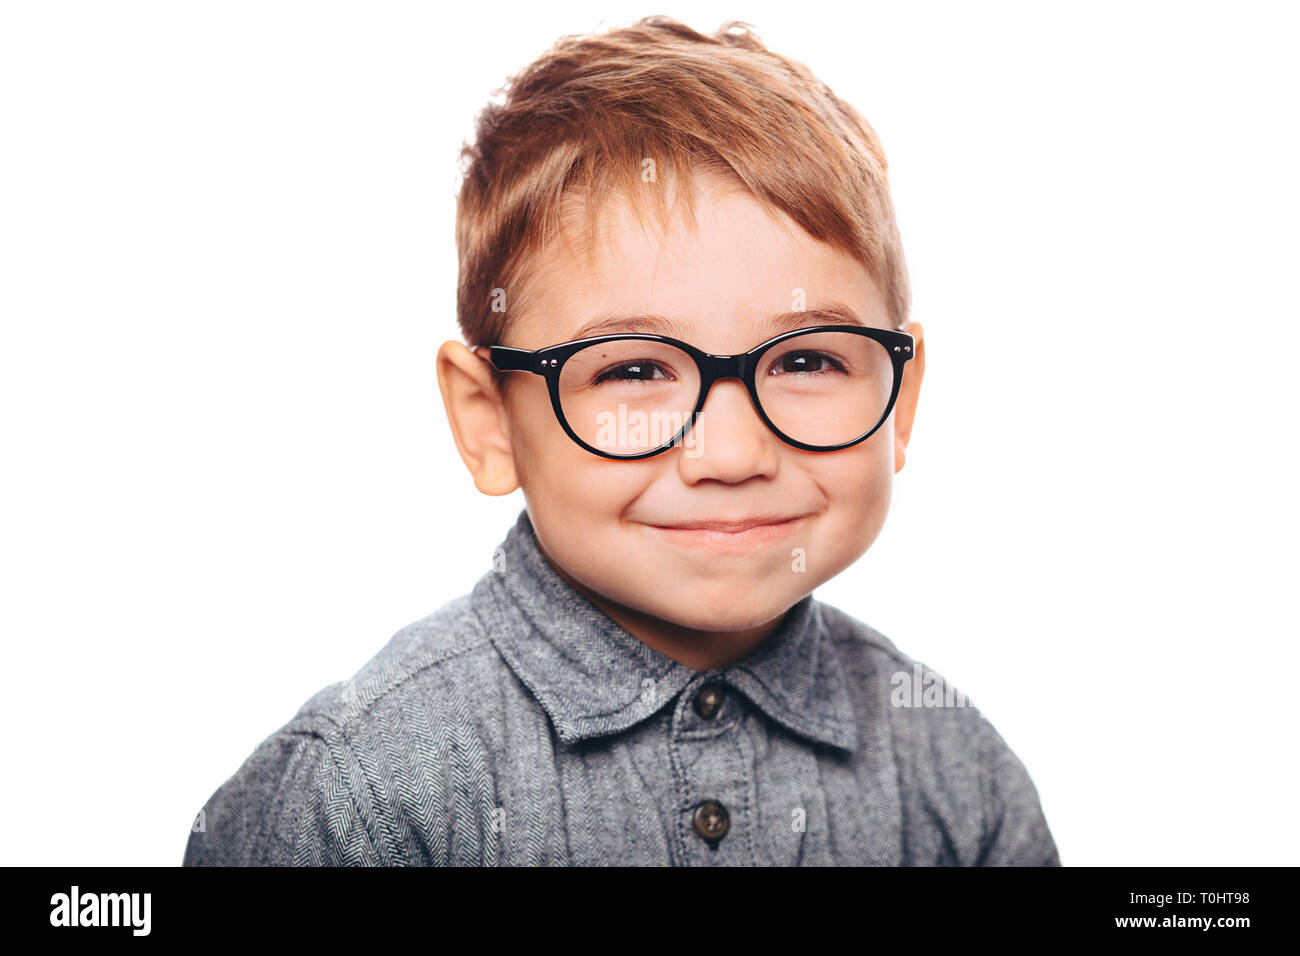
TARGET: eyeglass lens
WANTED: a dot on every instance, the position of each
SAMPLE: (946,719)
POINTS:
(630,396)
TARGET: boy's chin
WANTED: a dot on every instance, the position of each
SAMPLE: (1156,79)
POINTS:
(726,612)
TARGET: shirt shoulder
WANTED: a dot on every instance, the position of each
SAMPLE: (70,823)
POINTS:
(370,769)
(445,646)
(967,799)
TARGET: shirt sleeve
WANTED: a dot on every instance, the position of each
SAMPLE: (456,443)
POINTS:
(1017,833)
(288,805)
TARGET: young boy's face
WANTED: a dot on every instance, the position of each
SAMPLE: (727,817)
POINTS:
(602,522)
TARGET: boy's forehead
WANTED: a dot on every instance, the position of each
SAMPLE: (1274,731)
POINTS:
(742,271)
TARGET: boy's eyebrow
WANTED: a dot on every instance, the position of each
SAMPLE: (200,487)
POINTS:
(662,325)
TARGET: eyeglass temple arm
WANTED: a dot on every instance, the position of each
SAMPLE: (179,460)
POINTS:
(508,359)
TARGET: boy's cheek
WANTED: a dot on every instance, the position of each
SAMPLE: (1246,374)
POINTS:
(575,482)
(861,474)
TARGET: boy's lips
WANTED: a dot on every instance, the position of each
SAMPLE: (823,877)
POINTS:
(734,525)
(730,536)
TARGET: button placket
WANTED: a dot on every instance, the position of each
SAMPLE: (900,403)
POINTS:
(715,809)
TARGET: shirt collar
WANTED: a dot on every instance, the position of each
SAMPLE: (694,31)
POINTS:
(591,675)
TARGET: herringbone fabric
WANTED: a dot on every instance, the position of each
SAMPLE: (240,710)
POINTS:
(520,725)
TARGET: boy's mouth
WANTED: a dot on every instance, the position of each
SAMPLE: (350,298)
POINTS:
(733,525)
(736,535)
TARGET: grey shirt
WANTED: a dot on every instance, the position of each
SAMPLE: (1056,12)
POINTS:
(520,725)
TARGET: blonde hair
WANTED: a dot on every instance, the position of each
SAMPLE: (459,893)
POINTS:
(580,121)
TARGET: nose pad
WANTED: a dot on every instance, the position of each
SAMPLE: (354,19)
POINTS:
(719,368)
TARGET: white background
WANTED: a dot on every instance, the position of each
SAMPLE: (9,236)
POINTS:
(226,263)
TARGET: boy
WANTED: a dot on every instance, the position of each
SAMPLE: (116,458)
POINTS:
(644,676)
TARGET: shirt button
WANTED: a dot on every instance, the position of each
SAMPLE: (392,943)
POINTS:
(708,701)
(711,820)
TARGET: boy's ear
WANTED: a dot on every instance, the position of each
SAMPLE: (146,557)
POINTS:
(477,415)
(905,406)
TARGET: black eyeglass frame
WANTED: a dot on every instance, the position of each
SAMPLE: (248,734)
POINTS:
(549,363)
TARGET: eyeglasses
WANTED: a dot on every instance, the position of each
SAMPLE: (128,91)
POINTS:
(630,396)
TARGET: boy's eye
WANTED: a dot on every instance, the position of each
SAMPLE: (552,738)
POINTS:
(805,361)
(642,370)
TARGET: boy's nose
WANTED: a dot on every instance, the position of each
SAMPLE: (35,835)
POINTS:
(728,439)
